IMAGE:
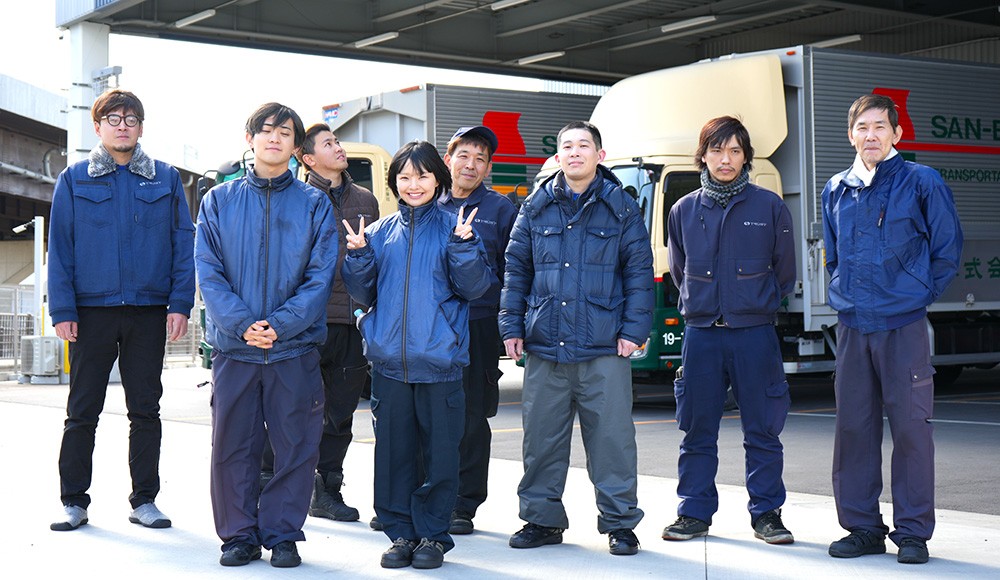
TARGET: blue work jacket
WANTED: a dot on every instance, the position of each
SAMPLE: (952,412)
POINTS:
(119,235)
(892,247)
(419,279)
(266,249)
(735,263)
(577,280)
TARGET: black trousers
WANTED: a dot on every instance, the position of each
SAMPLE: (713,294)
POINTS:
(136,336)
(482,394)
(345,371)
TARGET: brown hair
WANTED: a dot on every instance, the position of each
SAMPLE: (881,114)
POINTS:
(112,100)
(866,102)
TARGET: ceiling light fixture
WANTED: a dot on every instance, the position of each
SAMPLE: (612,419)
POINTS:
(194,18)
(496,6)
(540,57)
(682,24)
(376,39)
(836,41)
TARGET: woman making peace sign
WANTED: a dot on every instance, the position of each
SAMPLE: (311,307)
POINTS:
(418,268)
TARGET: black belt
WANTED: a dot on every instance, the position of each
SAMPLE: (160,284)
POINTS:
(719,322)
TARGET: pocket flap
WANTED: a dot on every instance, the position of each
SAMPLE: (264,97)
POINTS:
(605,233)
(922,373)
(151,194)
(701,268)
(534,301)
(749,267)
(96,193)
(606,303)
(547,230)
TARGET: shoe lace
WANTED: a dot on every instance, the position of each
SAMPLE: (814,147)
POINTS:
(770,519)
(402,543)
(432,544)
(623,534)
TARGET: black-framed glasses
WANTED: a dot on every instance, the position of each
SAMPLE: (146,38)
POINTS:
(115,120)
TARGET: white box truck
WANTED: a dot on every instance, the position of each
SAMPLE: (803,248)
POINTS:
(525,122)
(794,102)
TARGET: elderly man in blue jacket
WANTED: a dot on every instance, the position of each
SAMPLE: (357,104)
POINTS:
(732,256)
(578,299)
(893,244)
(120,271)
(265,251)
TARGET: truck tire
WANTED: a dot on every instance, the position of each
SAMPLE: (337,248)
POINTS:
(946,375)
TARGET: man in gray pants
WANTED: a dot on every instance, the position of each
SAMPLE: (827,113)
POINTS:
(578,298)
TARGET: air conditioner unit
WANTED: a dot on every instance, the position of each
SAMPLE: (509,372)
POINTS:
(41,356)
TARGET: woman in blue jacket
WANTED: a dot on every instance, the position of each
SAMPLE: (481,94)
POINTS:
(418,268)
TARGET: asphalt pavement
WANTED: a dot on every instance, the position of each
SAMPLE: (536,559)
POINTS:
(964,545)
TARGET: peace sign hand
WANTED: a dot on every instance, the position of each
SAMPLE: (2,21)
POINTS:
(355,240)
(464,228)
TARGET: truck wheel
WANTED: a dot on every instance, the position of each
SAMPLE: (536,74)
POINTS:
(946,375)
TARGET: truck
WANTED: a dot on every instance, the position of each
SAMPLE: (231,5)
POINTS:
(526,123)
(794,102)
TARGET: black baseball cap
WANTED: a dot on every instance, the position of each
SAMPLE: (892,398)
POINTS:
(484,132)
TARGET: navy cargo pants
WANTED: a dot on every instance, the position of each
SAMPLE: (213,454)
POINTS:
(888,370)
(417,422)
(749,359)
(288,396)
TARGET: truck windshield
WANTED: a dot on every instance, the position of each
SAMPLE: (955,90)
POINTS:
(638,182)
(675,186)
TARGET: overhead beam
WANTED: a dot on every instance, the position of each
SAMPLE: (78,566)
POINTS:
(569,18)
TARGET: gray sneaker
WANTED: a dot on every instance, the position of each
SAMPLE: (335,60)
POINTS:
(73,517)
(149,516)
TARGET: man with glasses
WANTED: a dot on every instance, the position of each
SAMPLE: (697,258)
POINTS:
(121,270)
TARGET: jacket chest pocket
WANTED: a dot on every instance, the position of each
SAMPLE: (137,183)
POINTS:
(92,203)
(601,246)
(547,243)
(153,207)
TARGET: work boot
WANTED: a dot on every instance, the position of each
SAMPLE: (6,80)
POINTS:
(858,543)
(769,528)
(327,502)
(685,528)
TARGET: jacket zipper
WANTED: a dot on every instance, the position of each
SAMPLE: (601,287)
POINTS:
(406,288)
(267,236)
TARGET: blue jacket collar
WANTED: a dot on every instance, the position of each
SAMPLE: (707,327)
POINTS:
(474,198)
(275,184)
(419,214)
(604,183)
(885,170)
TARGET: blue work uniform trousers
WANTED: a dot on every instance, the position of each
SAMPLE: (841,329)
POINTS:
(749,359)
(482,395)
(136,336)
(288,397)
(600,392)
(416,422)
(888,370)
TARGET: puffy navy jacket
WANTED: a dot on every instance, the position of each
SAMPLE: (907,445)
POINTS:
(119,236)
(577,281)
(419,280)
(493,222)
(266,249)
(736,262)
(891,248)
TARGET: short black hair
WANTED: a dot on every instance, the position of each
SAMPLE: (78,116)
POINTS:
(717,133)
(589,127)
(281,113)
(424,157)
(309,141)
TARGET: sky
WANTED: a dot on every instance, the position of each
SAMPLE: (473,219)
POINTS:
(198,96)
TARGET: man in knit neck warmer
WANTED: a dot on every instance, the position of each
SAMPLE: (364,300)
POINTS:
(732,255)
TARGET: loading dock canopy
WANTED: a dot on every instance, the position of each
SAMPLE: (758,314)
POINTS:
(598,41)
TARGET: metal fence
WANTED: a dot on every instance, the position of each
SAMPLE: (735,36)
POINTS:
(14,325)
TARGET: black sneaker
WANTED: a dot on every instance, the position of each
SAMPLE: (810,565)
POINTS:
(858,543)
(623,542)
(240,555)
(769,528)
(461,523)
(685,528)
(533,536)
(912,551)
(375,524)
(285,555)
(399,555)
(429,554)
